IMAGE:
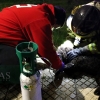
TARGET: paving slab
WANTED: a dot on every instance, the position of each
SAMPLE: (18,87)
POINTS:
(62,89)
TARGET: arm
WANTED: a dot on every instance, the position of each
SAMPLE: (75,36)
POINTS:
(89,49)
(40,33)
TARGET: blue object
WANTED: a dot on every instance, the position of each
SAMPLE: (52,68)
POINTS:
(62,67)
(73,54)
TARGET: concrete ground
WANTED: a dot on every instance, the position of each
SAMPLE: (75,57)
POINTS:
(64,89)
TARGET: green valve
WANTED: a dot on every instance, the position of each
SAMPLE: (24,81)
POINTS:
(26,52)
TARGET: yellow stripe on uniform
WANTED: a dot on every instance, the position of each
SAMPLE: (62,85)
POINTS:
(93,48)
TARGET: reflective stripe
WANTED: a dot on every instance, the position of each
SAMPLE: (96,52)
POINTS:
(75,9)
(69,22)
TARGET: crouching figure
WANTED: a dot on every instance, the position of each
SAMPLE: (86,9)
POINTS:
(84,57)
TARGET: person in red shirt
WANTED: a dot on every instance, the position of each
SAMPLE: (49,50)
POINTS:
(29,22)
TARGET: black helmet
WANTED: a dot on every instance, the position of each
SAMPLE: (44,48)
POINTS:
(85,20)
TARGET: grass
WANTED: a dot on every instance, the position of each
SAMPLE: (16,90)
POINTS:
(59,35)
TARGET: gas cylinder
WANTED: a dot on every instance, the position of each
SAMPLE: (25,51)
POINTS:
(30,82)
(30,85)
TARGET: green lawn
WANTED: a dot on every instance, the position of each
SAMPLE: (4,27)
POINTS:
(59,35)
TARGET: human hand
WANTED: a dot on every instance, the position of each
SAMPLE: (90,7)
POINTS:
(73,54)
(64,73)
(59,73)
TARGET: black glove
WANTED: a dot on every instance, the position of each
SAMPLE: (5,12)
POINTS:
(59,74)
(62,73)
(59,71)
(77,52)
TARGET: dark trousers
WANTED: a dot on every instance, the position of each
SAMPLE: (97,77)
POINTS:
(8,55)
